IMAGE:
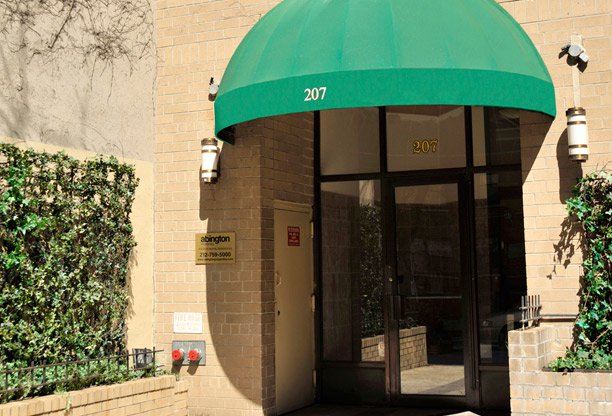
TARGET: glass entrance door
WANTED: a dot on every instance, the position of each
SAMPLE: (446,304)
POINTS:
(420,254)
(428,306)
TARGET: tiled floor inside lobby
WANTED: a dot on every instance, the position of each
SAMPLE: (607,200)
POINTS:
(434,379)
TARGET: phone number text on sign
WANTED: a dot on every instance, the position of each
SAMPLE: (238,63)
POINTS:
(215,248)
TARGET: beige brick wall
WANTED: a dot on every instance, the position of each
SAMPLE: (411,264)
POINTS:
(413,348)
(159,396)
(537,392)
(195,40)
(373,348)
(553,261)
(272,159)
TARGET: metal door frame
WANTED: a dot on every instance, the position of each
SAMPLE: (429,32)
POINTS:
(464,177)
(470,346)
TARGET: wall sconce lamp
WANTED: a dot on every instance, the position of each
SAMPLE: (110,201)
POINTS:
(211,151)
(577,134)
(577,131)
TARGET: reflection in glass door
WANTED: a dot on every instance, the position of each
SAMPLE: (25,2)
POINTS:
(428,305)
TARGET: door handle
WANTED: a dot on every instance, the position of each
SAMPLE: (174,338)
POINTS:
(277,278)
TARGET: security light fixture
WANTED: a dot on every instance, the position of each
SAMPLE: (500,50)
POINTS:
(576,52)
(210,160)
(213,89)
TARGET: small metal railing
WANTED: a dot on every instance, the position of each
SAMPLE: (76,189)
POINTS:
(19,380)
(530,311)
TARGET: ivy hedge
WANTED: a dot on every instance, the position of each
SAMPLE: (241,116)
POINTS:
(65,245)
(591,206)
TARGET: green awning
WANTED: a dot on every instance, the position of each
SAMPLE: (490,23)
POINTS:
(307,55)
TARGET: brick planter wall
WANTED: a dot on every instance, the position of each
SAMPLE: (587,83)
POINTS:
(537,392)
(373,348)
(162,396)
(413,348)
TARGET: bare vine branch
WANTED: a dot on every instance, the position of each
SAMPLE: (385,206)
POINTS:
(105,31)
(61,29)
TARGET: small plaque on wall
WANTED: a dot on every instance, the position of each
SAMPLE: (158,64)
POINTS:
(187,323)
(215,248)
(293,236)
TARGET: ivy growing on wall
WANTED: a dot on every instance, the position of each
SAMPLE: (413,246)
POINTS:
(65,245)
(591,206)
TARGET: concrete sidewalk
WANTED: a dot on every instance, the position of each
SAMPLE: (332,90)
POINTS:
(334,410)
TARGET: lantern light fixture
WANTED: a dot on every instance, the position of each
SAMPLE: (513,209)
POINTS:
(211,150)
(577,134)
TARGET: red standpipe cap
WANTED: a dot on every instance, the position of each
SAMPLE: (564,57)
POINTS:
(194,355)
(177,355)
